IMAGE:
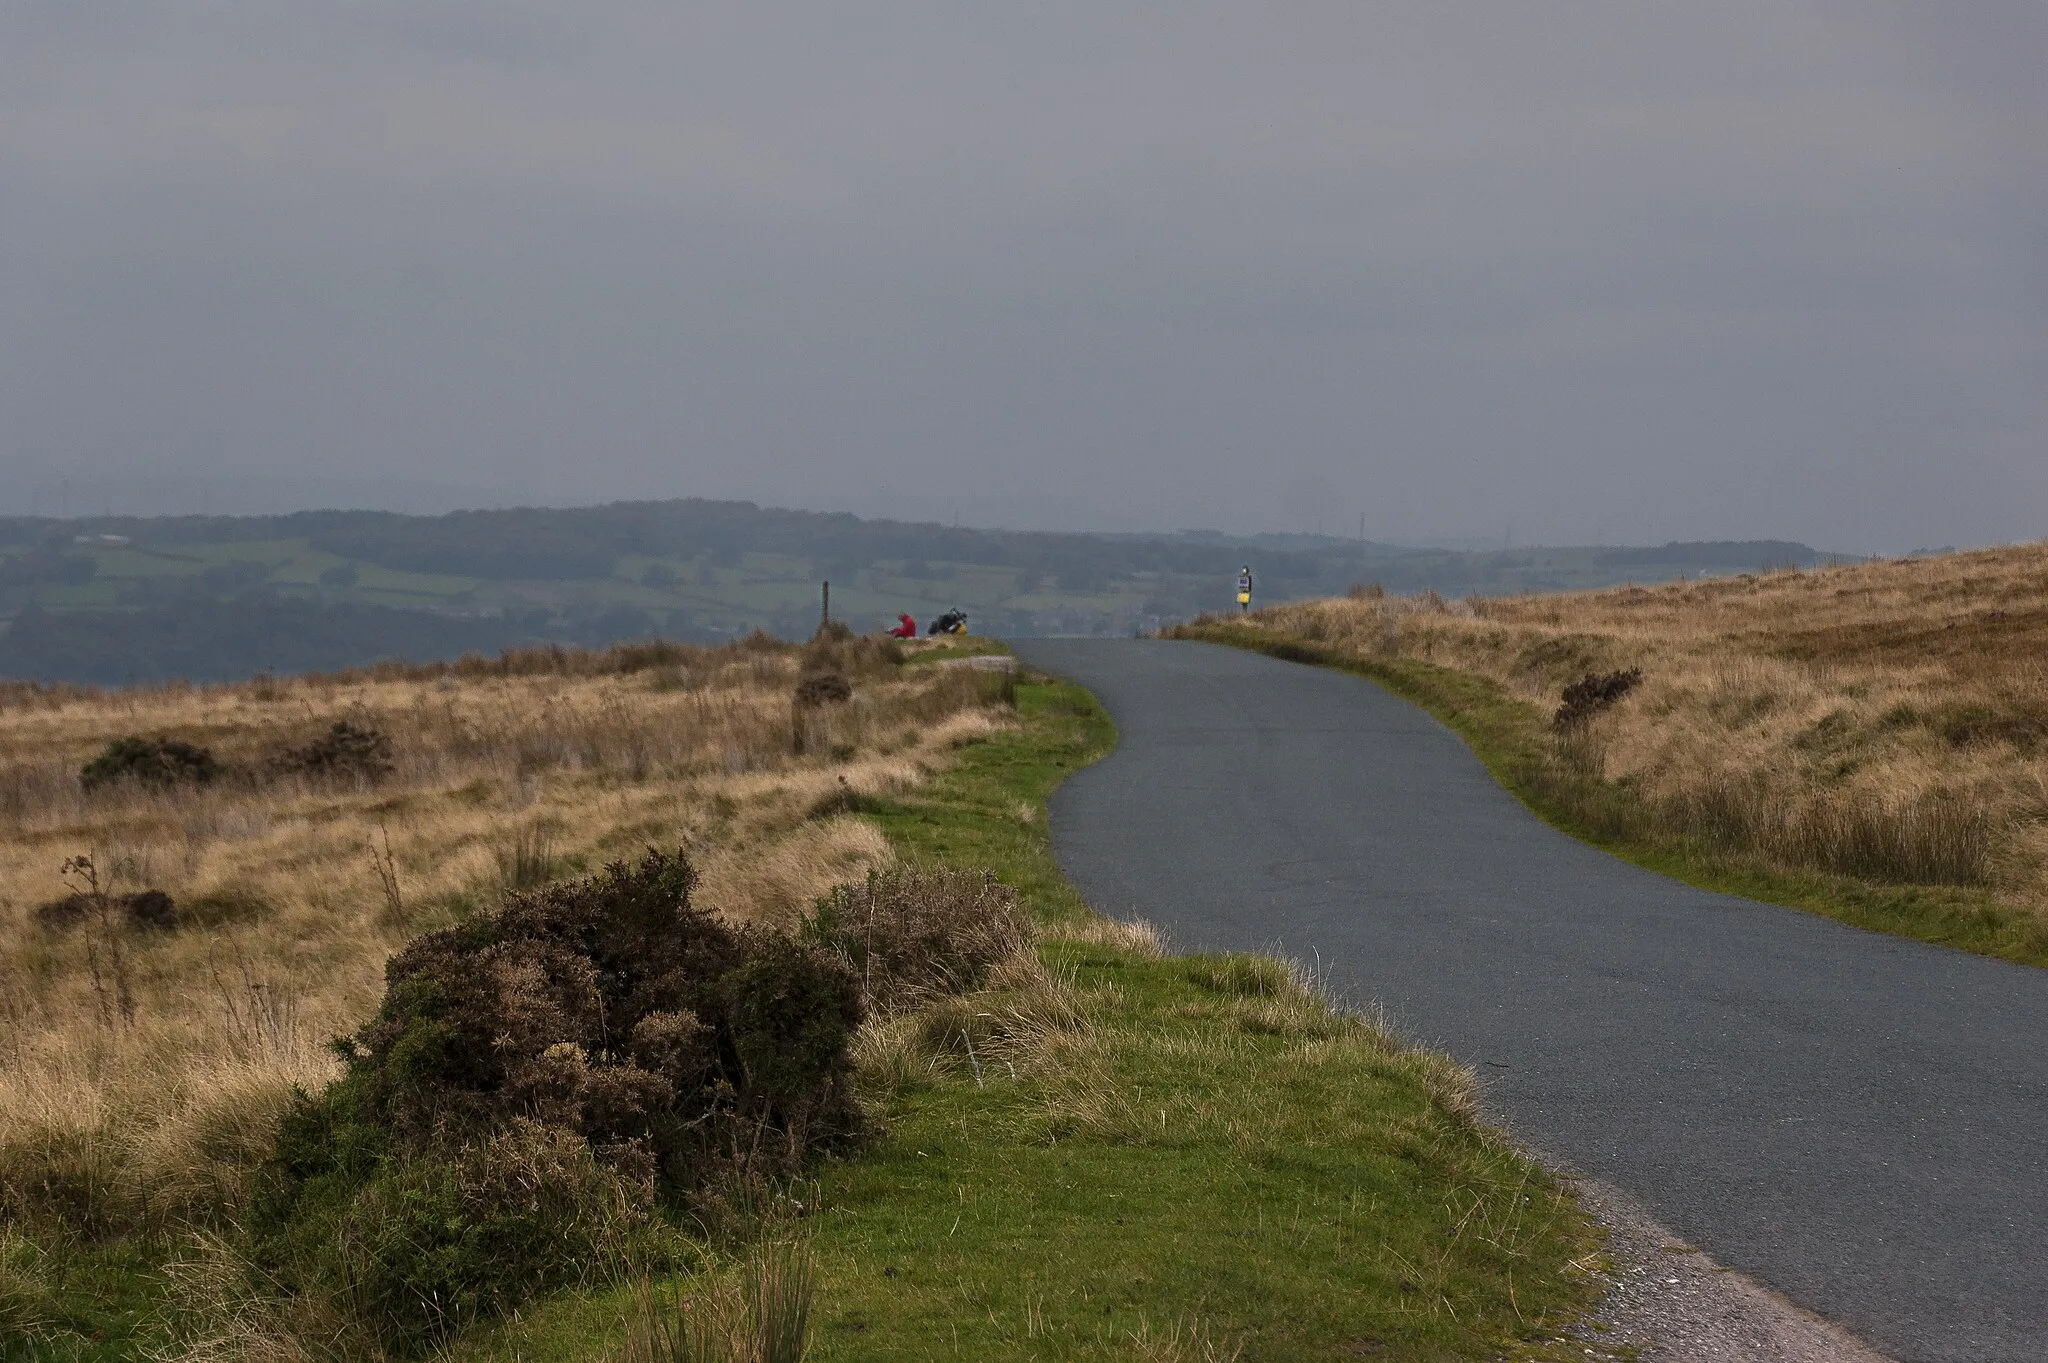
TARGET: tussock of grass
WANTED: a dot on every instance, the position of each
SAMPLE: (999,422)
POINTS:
(760,1313)
(1859,741)
(529,861)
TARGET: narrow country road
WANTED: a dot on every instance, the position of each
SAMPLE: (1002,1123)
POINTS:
(1860,1122)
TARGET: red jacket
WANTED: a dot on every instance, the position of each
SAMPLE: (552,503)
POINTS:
(906,630)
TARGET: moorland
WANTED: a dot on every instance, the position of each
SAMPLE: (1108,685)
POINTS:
(670,1002)
(1866,740)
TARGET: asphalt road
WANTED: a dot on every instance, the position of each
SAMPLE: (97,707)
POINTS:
(1860,1122)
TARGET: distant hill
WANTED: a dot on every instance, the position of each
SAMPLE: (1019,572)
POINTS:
(119,599)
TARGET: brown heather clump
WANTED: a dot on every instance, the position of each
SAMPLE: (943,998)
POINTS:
(1887,720)
(910,935)
(536,1081)
(143,1071)
(614,1008)
(1593,693)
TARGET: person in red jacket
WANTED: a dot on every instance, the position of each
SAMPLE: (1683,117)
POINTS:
(906,628)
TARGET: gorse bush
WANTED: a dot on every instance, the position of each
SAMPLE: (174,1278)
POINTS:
(345,751)
(538,1079)
(156,762)
(615,1008)
(437,1242)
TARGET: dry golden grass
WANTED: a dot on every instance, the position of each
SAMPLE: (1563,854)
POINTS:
(1886,720)
(142,1071)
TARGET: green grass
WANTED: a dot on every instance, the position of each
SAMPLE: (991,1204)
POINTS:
(1215,1162)
(95,1304)
(1258,1175)
(1512,737)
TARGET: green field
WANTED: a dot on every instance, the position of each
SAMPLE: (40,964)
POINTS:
(120,599)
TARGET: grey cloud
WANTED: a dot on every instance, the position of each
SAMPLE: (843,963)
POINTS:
(1650,271)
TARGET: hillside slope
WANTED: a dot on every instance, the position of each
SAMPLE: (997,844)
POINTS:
(119,599)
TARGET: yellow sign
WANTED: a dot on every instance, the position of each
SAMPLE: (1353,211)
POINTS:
(1244,598)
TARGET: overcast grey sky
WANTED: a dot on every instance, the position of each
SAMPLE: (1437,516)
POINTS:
(1634,271)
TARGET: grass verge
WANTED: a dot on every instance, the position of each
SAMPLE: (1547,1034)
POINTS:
(1133,1156)
(1512,737)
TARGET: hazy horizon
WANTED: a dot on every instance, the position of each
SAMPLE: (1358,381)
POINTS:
(1465,274)
(425,501)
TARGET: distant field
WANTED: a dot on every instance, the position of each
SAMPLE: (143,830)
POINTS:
(1870,740)
(116,600)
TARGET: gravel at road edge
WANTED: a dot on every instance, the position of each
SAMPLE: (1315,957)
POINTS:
(1675,1305)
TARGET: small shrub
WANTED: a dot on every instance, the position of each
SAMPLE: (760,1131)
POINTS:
(159,763)
(615,1006)
(823,688)
(66,911)
(148,909)
(347,751)
(1592,693)
(908,934)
